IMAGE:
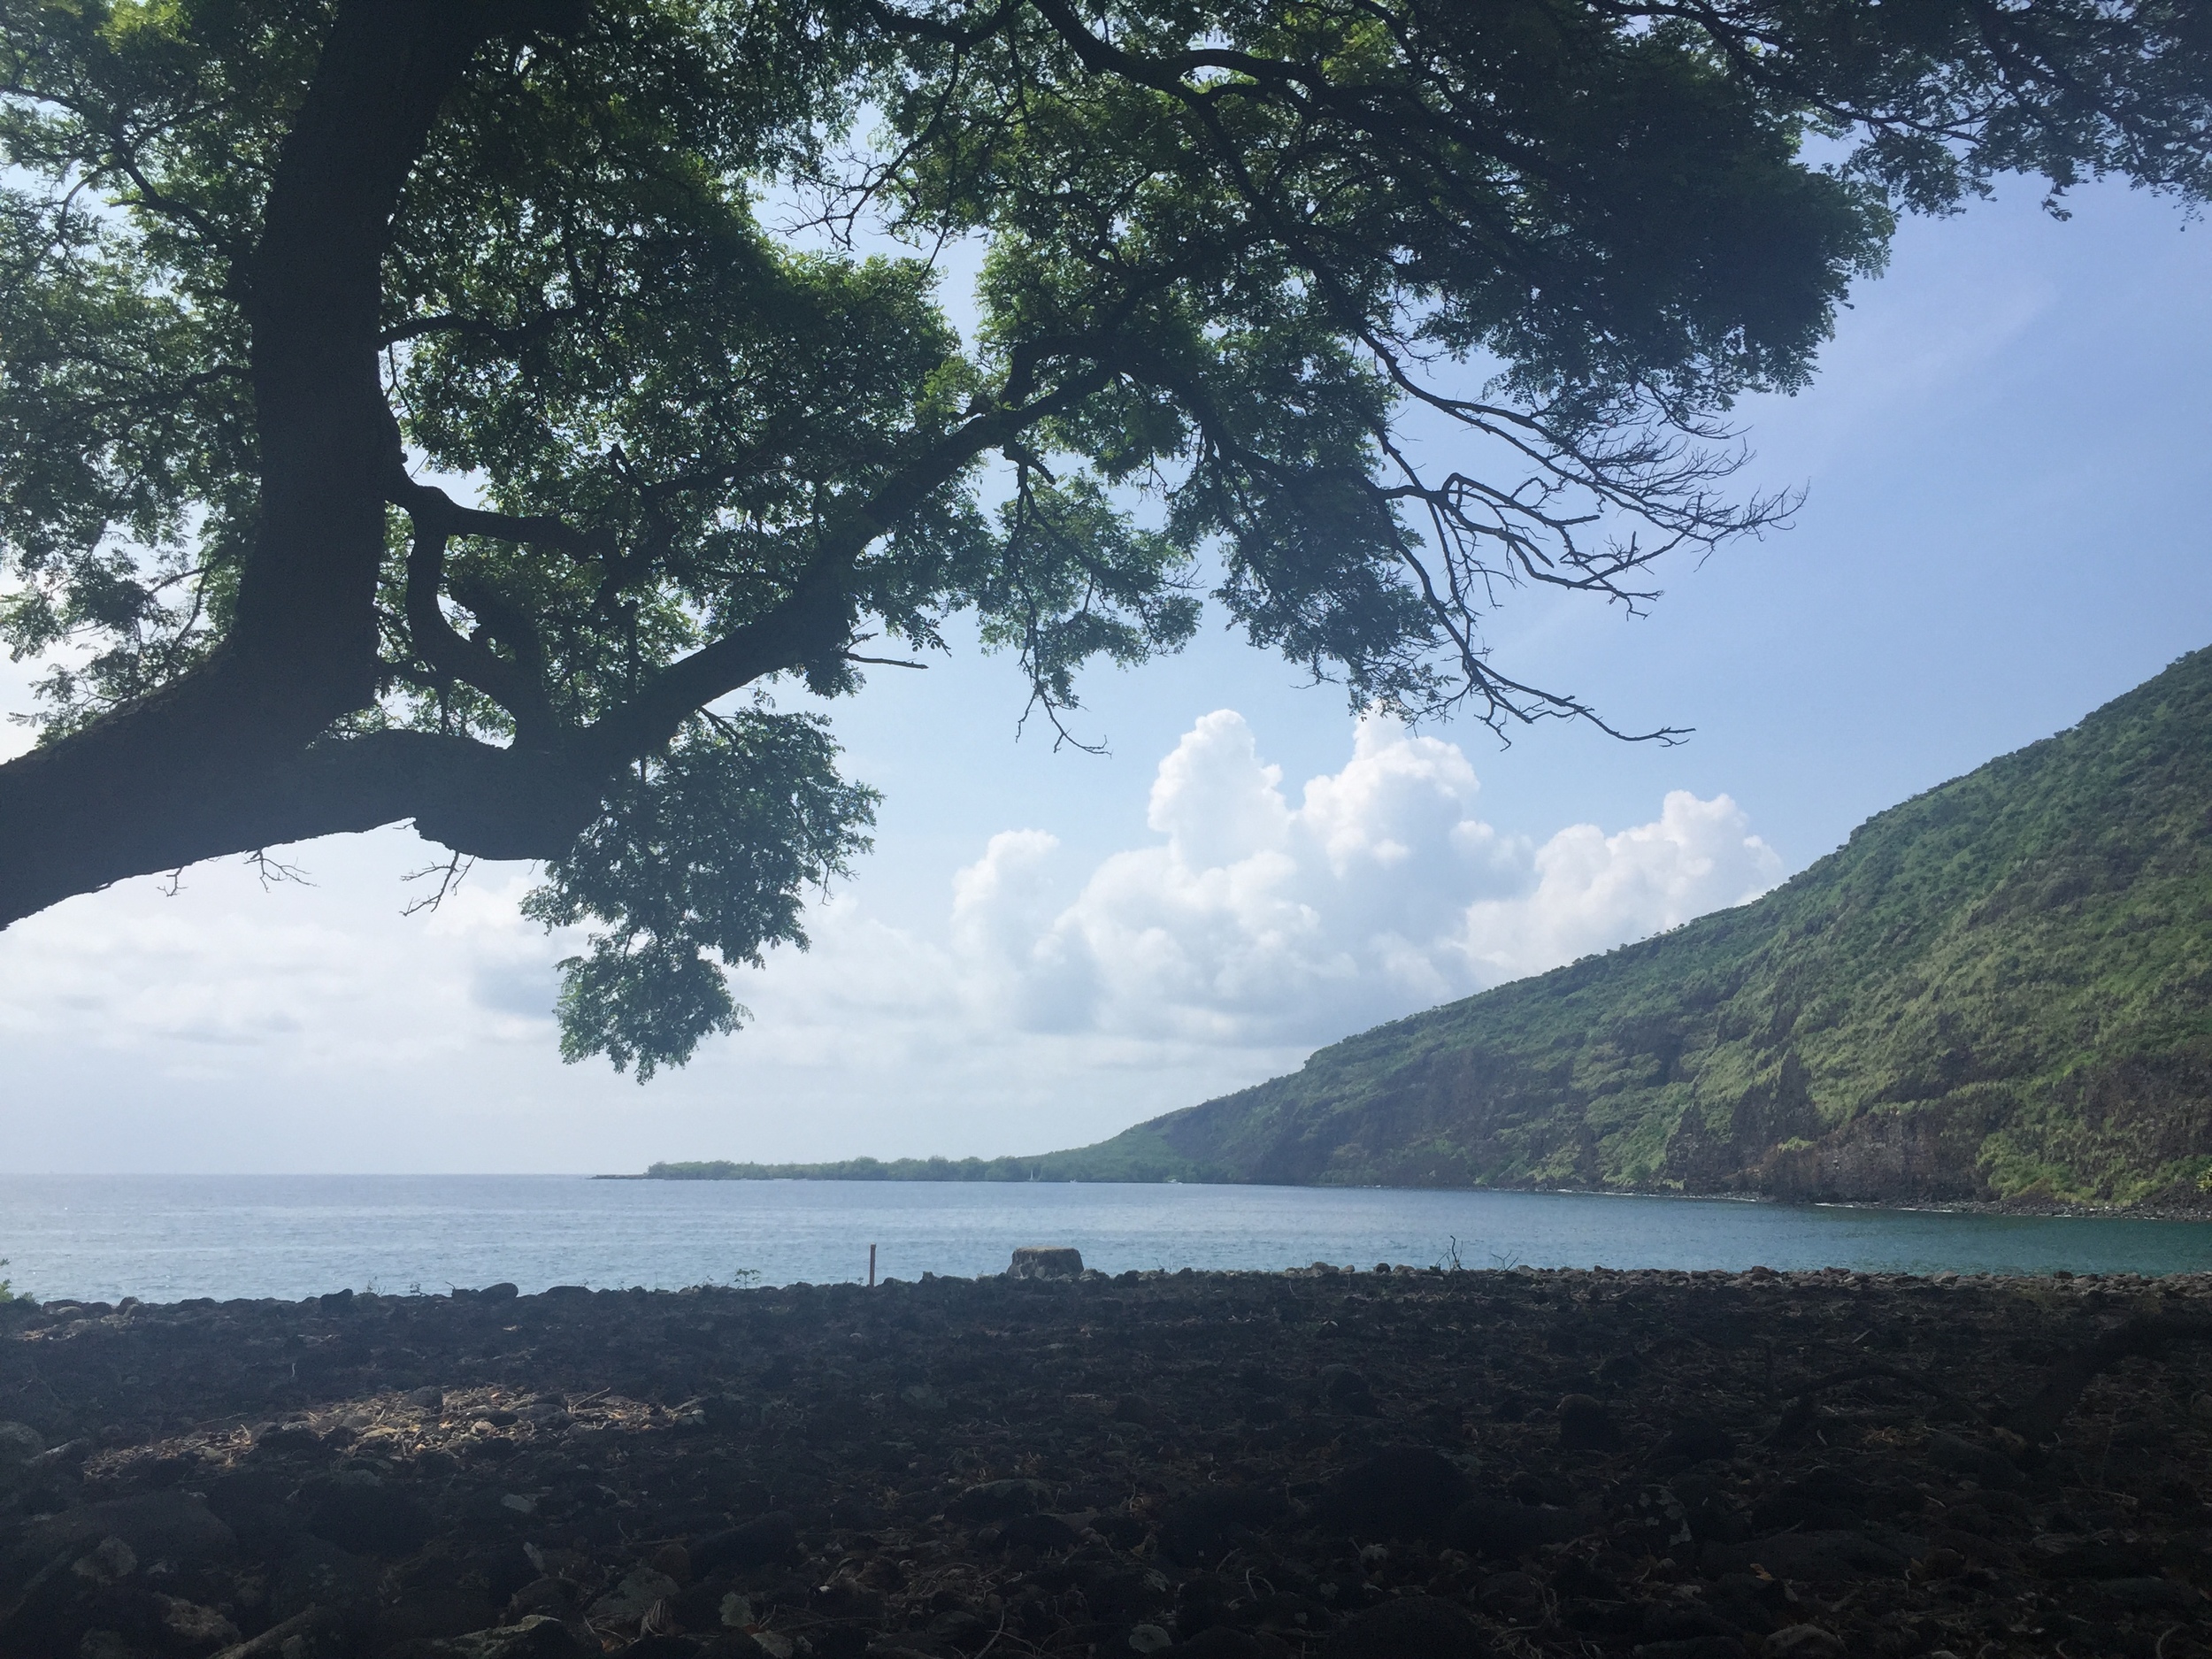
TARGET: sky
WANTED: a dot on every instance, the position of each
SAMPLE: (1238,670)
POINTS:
(2002,461)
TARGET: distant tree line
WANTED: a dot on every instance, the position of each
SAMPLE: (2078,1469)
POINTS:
(859,1170)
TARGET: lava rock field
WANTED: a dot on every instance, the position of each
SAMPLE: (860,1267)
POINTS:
(1383,1464)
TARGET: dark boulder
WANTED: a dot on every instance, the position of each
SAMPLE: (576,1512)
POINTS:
(1411,1627)
(1123,1532)
(1201,1525)
(431,1612)
(1344,1389)
(1823,1557)
(318,1574)
(1402,1491)
(1041,1532)
(2149,1594)
(1220,1642)
(999,1501)
(535,1638)
(1688,1623)
(1698,1438)
(1691,1647)
(670,1647)
(1501,1527)
(172,1525)
(2097,1561)
(360,1514)
(752,1544)
(1046,1260)
(1985,1463)
(1586,1426)
(1515,1597)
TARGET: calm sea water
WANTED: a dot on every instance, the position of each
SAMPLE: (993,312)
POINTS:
(160,1238)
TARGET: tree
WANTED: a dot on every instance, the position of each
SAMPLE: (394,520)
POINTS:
(274,268)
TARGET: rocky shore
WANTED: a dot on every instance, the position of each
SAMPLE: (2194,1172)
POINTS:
(1401,1465)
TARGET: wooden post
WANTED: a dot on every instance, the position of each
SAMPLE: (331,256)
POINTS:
(872,1267)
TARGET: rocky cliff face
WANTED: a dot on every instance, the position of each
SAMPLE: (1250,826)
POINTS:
(2001,991)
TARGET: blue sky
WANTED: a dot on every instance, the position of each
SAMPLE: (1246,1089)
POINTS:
(2003,461)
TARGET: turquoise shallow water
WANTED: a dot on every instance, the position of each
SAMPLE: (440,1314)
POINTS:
(161,1238)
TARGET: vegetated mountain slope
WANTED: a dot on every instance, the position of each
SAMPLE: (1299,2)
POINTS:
(2002,989)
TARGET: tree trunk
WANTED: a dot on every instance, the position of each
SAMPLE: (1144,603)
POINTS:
(192,767)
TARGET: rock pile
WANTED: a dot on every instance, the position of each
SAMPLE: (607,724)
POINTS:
(1046,1260)
(1319,1464)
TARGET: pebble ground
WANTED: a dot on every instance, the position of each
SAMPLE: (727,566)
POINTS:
(1322,1463)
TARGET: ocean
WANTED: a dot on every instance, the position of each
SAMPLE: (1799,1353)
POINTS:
(164,1238)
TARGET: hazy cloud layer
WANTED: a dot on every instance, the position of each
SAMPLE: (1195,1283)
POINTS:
(1057,1001)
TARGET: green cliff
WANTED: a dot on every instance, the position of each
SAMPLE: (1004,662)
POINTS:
(2000,990)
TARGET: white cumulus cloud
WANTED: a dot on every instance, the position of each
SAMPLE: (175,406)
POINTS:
(1255,920)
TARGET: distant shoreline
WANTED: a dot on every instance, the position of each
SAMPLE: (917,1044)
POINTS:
(1027,1171)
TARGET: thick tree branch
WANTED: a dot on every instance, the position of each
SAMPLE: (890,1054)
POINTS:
(517,687)
(894,21)
(131,792)
(479,800)
(814,622)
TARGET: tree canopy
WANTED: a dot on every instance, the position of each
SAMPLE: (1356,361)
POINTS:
(469,411)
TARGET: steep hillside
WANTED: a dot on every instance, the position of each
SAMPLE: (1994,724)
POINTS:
(2002,989)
